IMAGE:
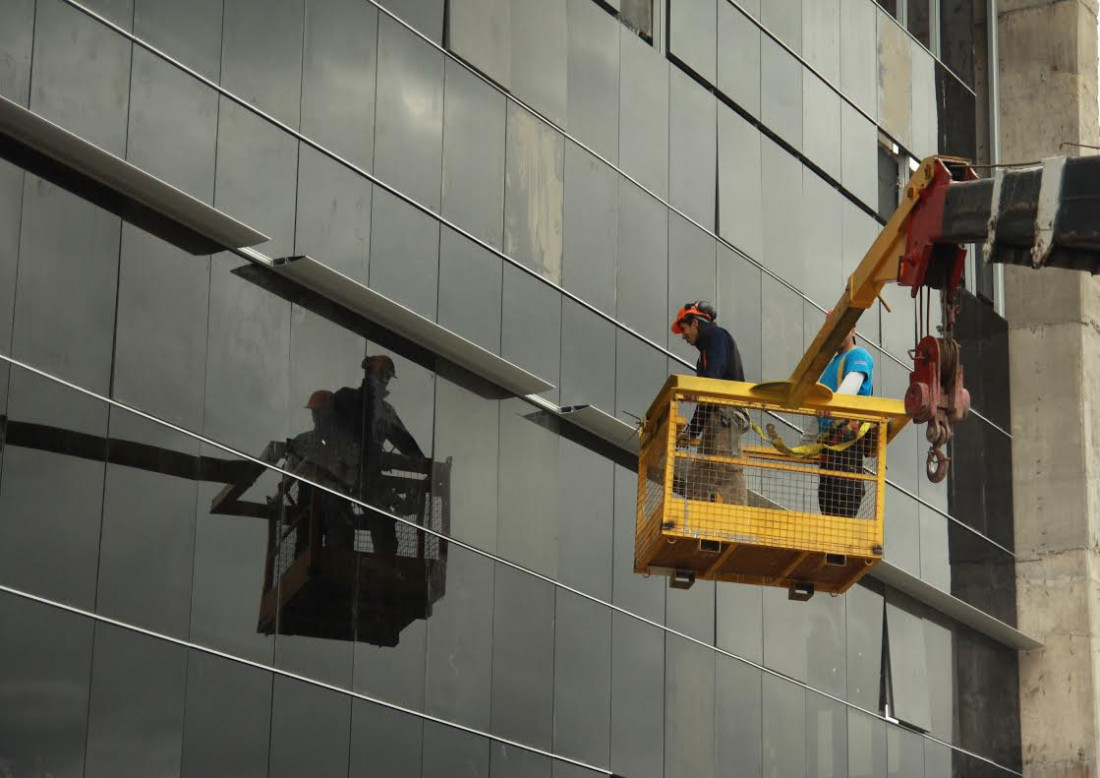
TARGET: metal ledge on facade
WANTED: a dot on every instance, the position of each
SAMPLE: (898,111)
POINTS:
(604,425)
(952,606)
(54,153)
(361,299)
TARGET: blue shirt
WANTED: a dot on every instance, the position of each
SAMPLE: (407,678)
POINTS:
(854,360)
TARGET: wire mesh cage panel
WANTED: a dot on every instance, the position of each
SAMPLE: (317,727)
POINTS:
(338,569)
(734,486)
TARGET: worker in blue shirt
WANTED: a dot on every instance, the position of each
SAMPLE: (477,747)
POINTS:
(851,371)
(717,427)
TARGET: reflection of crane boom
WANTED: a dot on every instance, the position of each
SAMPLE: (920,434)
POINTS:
(1037,217)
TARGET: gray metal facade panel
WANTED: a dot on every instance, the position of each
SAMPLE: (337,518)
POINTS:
(533,193)
(591,228)
(739,308)
(821,108)
(863,627)
(523,658)
(160,346)
(408,141)
(426,16)
(637,699)
(17,39)
(470,280)
(738,698)
(781,323)
(643,113)
(474,127)
(740,185)
(858,55)
(822,37)
(480,31)
(80,78)
(190,32)
(692,274)
(587,358)
(781,92)
(692,26)
(539,51)
(784,730)
(784,19)
(380,739)
(784,212)
(333,216)
(173,126)
(908,668)
(858,138)
(582,687)
(823,225)
(50,317)
(531,327)
(826,736)
(693,149)
(593,77)
(739,58)
(641,284)
(689,692)
(257,173)
(643,596)
(404,257)
(136,695)
(57,652)
(339,76)
(266,70)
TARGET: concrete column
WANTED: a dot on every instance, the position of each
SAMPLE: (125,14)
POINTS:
(1048,82)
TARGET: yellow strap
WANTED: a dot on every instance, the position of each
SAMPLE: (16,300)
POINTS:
(807,450)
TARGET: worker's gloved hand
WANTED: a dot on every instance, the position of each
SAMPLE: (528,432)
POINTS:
(684,438)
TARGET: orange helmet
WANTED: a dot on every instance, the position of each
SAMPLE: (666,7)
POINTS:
(381,365)
(319,399)
(699,308)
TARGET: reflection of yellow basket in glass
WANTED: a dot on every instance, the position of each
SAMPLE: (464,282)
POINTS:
(735,486)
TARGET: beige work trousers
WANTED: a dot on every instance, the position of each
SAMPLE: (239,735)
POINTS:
(707,480)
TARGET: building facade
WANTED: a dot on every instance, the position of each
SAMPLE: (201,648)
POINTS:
(549,180)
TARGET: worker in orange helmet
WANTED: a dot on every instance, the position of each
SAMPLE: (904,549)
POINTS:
(320,408)
(717,427)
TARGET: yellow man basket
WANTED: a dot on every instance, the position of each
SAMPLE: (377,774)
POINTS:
(735,486)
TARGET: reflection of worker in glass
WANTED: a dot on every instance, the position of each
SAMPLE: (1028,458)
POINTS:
(308,445)
(718,427)
(364,413)
(850,372)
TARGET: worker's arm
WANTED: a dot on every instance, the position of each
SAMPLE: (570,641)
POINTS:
(398,434)
(852,383)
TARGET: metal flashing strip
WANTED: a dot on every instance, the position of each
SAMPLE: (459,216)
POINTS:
(949,605)
(602,424)
(390,314)
(23,133)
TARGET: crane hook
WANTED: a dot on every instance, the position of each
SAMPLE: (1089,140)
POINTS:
(937,464)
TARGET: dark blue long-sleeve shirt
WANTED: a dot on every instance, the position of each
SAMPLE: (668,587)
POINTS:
(718,354)
(718,358)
